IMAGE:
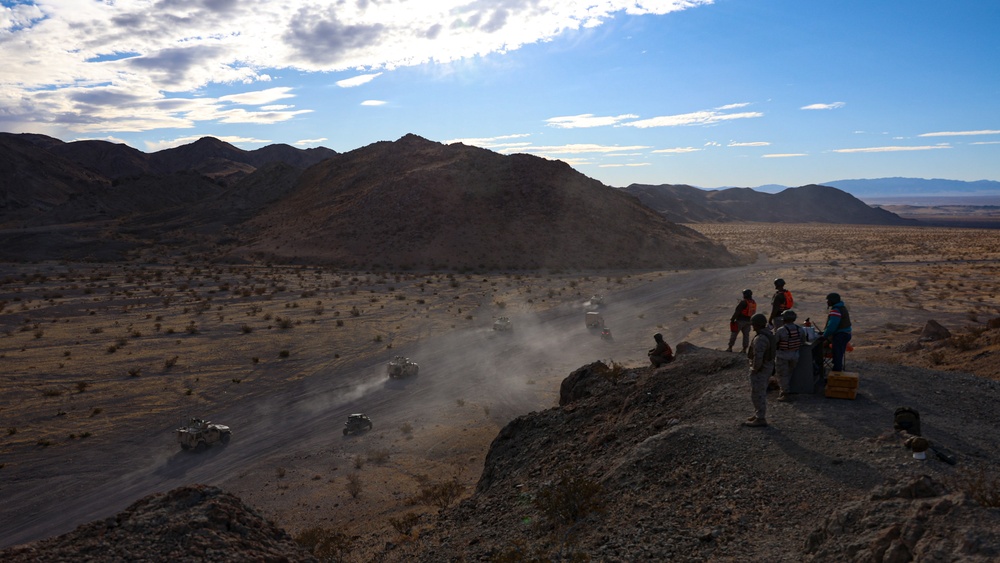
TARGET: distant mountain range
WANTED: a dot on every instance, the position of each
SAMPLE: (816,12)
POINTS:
(412,203)
(905,187)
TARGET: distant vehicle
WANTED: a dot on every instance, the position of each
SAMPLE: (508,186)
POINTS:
(502,324)
(357,423)
(200,434)
(594,320)
(597,299)
(401,366)
(606,334)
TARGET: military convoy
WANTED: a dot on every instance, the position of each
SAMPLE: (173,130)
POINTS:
(401,366)
(199,434)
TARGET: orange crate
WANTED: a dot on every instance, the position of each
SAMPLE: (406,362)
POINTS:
(841,392)
(845,379)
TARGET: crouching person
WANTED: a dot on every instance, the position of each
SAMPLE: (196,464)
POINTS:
(661,354)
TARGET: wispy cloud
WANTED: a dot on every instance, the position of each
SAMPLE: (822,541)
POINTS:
(586,120)
(784,155)
(304,142)
(259,97)
(749,144)
(834,105)
(155,50)
(986,143)
(627,165)
(677,150)
(582,148)
(961,133)
(374,103)
(357,80)
(707,117)
(894,149)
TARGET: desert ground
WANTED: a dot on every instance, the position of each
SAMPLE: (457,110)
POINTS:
(102,361)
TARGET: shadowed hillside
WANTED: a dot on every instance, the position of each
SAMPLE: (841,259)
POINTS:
(806,204)
(417,203)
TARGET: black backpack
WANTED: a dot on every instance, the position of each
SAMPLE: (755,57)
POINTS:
(907,419)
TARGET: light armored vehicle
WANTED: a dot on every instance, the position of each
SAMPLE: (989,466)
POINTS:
(199,434)
(502,324)
(594,320)
(401,366)
(357,423)
(597,299)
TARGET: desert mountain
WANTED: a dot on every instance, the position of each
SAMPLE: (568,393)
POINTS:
(418,203)
(806,204)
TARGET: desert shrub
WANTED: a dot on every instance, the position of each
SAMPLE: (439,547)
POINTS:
(378,338)
(283,354)
(44,442)
(340,322)
(355,312)
(246,329)
(134,372)
(327,545)
(406,428)
(280,472)
(81,386)
(441,495)
(359,462)
(404,525)
(354,486)
(379,457)
(169,363)
(965,342)
(51,392)
(96,411)
(570,498)
(11,430)
(981,485)
(284,322)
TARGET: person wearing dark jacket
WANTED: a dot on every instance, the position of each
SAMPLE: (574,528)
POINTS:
(778,304)
(740,320)
(838,329)
(661,354)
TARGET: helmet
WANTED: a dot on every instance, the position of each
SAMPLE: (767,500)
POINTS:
(747,293)
(833,298)
(789,316)
(657,337)
(779,282)
(758,320)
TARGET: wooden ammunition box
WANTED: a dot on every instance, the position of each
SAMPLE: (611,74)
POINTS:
(842,379)
(841,392)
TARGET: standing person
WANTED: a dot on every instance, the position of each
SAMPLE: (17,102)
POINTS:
(790,337)
(780,302)
(662,354)
(838,329)
(761,358)
(740,320)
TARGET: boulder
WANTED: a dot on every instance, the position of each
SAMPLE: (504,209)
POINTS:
(933,331)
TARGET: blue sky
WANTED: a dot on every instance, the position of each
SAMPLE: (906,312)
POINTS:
(723,93)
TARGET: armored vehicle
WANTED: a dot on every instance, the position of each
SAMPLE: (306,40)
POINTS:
(594,320)
(502,324)
(597,299)
(357,423)
(401,366)
(199,434)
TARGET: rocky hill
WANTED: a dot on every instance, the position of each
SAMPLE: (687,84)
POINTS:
(644,464)
(411,203)
(806,204)
(196,523)
(417,203)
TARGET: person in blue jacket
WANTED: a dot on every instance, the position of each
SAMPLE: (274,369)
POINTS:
(838,329)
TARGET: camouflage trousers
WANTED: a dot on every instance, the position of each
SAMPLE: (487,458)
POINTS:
(758,389)
(742,327)
(784,368)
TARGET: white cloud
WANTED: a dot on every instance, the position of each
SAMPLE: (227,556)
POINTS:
(259,97)
(486,141)
(165,49)
(960,133)
(374,103)
(357,80)
(303,142)
(276,107)
(586,120)
(834,105)
(629,165)
(582,148)
(678,150)
(707,117)
(784,155)
(749,144)
(986,143)
(894,149)
(733,106)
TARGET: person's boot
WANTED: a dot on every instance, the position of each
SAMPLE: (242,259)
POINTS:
(729,349)
(756,423)
(784,397)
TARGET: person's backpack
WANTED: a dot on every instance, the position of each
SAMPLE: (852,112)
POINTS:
(789,302)
(907,419)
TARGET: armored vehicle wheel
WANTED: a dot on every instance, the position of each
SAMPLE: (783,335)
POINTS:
(369,425)
(226,438)
(345,432)
(202,446)
(185,447)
